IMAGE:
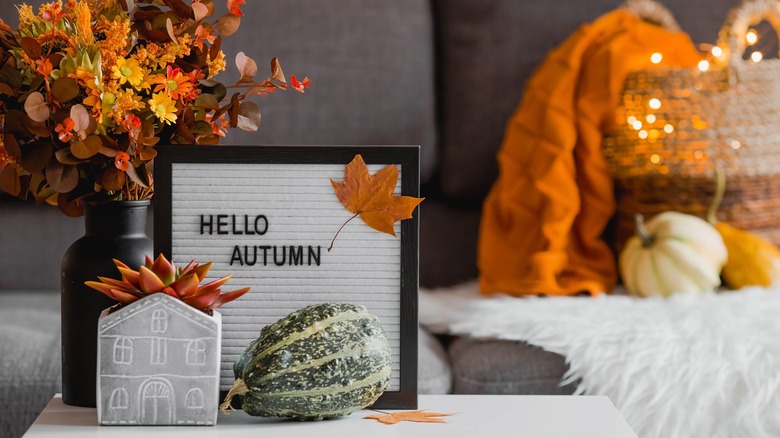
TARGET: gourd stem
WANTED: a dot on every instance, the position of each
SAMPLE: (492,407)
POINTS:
(641,231)
(239,388)
(720,189)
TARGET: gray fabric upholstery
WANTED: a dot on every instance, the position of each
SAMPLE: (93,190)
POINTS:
(505,367)
(371,65)
(29,357)
(433,367)
(34,238)
(448,243)
(489,48)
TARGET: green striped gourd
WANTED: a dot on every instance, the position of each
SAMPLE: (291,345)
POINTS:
(320,362)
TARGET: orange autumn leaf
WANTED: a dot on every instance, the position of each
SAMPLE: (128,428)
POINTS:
(371,197)
(421,416)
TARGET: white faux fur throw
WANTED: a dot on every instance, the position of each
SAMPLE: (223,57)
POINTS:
(705,365)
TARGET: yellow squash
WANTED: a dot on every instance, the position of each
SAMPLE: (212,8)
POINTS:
(752,261)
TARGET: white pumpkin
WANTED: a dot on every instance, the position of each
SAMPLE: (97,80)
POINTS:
(672,253)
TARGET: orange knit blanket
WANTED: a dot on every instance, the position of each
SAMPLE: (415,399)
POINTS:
(543,221)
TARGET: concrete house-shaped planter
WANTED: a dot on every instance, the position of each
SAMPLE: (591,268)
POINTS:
(158,364)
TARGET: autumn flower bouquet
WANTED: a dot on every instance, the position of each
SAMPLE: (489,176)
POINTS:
(89,87)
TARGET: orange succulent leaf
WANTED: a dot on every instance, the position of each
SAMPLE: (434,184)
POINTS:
(149,281)
(130,276)
(228,297)
(164,269)
(421,416)
(371,196)
(186,286)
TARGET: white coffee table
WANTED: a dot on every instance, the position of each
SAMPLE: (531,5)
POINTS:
(474,416)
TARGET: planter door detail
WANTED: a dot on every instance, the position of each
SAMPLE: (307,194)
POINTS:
(156,402)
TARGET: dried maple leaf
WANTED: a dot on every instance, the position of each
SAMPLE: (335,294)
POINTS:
(371,197)
(421,416)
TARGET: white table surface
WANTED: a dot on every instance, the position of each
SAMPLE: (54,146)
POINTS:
(474,416)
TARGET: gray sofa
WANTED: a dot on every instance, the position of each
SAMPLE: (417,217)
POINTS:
(444,74)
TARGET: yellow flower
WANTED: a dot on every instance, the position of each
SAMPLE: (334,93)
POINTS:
(163,107)
(83,19)
(126,102)
(128,70)
(26,15)
(217,64)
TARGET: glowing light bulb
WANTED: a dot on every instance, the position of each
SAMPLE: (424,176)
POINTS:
(631,120)
(654,103)
(735,144)
(656,58)
(643,134)
(668,128)
(751,37)
(756,56)
(655,158)
(650,118)
(704,65)
(717,52)
(698,155)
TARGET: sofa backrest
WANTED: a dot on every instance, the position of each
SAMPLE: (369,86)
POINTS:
(487,50)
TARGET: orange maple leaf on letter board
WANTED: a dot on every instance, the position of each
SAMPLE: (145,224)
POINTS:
(371,197)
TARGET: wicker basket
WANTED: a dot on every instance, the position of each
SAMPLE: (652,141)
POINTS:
(675,126)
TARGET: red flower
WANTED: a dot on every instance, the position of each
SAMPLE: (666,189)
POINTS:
(235,5)
(52,12)
(299,86)
(122,161)
(132,125)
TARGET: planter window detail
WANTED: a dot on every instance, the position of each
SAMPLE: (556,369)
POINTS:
(194,399)
(196,352)
(119,398)
(159,351)
(159,321)
(123,351)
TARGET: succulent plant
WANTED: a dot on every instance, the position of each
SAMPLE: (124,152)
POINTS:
(161,276)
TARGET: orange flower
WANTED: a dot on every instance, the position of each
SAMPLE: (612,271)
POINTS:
(175,84)
(43,67)
(122,161)
(65,130)
(218,127)
(203,33)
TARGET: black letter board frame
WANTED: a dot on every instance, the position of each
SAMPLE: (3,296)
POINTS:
(407,157)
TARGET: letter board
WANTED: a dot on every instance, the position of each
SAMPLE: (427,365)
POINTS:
(266,215)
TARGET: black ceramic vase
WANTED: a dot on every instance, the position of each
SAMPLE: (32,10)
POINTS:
(116,230)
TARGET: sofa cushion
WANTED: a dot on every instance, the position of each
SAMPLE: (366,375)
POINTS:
(489,48)
(370,62)
(433,367)
(506,367)
(29,357)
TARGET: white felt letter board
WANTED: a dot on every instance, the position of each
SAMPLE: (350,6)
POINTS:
(267,215)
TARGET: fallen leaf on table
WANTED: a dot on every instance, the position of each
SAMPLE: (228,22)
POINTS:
(371,197)
(421,416)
